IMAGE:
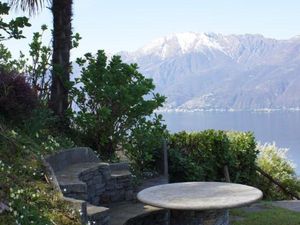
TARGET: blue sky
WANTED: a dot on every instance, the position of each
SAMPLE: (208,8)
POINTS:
(116,25)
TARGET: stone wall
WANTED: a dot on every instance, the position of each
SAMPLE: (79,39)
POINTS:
(104,187)
(95,180)
(118,188)
(79,174)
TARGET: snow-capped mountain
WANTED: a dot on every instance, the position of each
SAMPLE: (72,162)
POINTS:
(204,71)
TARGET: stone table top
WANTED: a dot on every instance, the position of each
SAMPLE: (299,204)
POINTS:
(199,195)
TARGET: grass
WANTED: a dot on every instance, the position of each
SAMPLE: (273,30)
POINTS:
(268,216)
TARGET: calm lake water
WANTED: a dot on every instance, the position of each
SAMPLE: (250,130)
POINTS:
(283,128)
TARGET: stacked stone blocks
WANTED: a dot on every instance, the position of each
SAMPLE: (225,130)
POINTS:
(81,175)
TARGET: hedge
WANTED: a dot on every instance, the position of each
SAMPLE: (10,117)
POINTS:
(201,156)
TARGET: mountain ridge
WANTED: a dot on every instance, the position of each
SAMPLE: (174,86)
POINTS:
(211,71)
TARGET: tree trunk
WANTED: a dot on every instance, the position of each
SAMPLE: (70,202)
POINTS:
(62,35)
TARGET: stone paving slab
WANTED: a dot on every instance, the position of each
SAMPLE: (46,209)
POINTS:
(98,215)
(121,212)
(293,205)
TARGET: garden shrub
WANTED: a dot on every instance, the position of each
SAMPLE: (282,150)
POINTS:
(244,153)
(183,168)
(112,98)
(144,148)
(17,98)
(41,121)
(273,160)
(202,156)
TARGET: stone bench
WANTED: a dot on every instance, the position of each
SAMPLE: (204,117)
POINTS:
(84,181)
(82,176)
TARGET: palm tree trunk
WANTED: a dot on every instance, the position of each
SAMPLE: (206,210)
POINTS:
(62,34)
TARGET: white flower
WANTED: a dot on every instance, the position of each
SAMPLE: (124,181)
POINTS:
(14,133)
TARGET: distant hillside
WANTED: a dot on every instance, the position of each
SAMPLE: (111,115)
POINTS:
(199,71)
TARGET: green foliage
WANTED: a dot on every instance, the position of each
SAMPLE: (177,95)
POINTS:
(111,98)
(41,121)
(12,28)
(273,161)
(203,155)
(38,66)
(75,40)
(183,168)
(244,153)
(7,63)
(21,81)
(23,186)
(144,147)
(41,128)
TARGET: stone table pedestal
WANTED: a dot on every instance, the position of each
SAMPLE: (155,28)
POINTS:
(207,217)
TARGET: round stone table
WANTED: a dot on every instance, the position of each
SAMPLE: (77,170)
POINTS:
(199,203)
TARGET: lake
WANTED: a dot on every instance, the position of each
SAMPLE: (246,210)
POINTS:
(283,128)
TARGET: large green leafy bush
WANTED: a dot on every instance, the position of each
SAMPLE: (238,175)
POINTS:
(244,153)
(112,98)
(144,147)
(202,156)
